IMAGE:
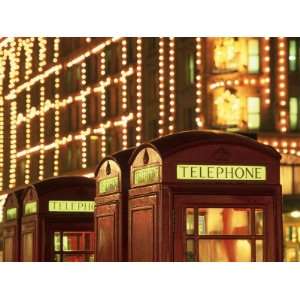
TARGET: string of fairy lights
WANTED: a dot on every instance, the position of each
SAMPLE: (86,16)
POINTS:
(199,119)
(10,52)
(282,83)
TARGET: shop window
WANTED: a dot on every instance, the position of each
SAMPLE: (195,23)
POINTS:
(253,113)
(232,110)
(292,55)
(297,180)
(131,93)
(190,69)
(93,150)
(131,135)
(131,55)
(290,179)
(108,60)
(294,113)
(253,55)
(189,118)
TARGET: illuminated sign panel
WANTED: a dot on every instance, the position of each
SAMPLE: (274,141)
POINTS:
(11,214)
(146,175)
(109,185)
(72,206)
(221,172)
(30,208)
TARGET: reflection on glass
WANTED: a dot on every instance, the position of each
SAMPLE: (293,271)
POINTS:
(189,215)
(56,241)
(57,257)
(224,250)
(223,221)
(190,251)
(259,221)
(74,258)
(77,241)
(259,250)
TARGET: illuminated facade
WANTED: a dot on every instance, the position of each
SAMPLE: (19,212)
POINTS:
(67,102)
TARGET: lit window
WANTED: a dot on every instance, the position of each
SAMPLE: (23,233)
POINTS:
(292,55)
(190,69)
(294,111)
(286,179)
(253,113)
(253,56)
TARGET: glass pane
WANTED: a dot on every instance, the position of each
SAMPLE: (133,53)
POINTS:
(28,247)
(259,250)
(56,241)
(297,180)
(189,215)
(57,257)
(78,241)
(259,221)
(293,112)
(286,179)
(223,221)
(224,250)
(74,258)
(292,55)
(190,250)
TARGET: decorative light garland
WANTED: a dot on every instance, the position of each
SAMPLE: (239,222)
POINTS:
(282,83)
(198,120)
(172,84)
(139,90)
(161,87)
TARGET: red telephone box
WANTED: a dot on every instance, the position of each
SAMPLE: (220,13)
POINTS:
(205,196)
(112,180)
(12,212)
(57,222)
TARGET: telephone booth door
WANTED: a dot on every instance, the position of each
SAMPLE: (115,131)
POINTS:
(215,228)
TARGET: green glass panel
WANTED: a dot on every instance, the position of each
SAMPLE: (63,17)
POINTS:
(190,69)
(109,185)
(292,55)
(190,250)
(57,241)
(293,112)
(146,175)
(11,214)
(253,56)
(30,208)
(190,221)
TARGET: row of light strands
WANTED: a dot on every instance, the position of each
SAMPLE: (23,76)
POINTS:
(13,50)
(166,61)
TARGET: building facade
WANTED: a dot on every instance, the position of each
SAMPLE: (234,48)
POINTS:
(67,102)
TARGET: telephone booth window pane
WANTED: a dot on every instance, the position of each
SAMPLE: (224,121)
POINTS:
(190,250)
(224,250)
(259,221)
(28,247)
(57,241)
(259,250)
(57,257)
(218,221)
(73,241)
(297,180)
(8,249)
(189,221)
(74,258)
